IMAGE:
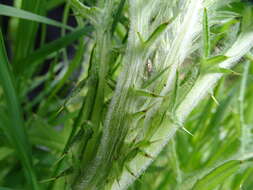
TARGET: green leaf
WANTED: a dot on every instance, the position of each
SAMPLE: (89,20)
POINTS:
(222,70)
(215,60)
(89,13)
(174,95)
(5,152)
(155,77)
(212,64)
(140,92)
(24,33)
(143,144)
(217,176)
(206,34)
(6,10)
(52,47)
(5,188)
(117,15)
(185,130)
(156,34)
(241,178)
(140,37)
(15,129)
(246,18)
(43,134)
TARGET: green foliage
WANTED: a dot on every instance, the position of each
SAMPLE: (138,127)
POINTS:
(157,95)
(14,128)
(14,12)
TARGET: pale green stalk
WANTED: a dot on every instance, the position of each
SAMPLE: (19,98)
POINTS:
(202,87)
(102,19)
(176,44)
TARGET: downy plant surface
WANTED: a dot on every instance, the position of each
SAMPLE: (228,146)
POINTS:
(156,95)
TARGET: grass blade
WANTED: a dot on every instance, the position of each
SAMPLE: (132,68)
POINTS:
(117,15)
(214,178)
(54,46)
(14,12)
(212,64)
(156,34)
(15,130)
(5,188)
(206,34)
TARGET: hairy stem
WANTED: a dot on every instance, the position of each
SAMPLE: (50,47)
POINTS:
(198,92)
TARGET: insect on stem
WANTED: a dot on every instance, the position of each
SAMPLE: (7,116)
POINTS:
(149,67)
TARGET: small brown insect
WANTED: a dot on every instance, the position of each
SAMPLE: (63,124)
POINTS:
(148,69)
(149,66)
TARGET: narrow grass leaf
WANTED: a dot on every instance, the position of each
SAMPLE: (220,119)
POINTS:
(244,128)
(156,34)
(154,78)
(217,176)
(241,178)
(188,132)
(140,38)
(140,92)
(216,60)
(44,135)
(117,15)
(73,64)
(5,188)
(218,69)
(15,129)
(54,46)
(6,10)
(206,34)
(5,152)
(212,64)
